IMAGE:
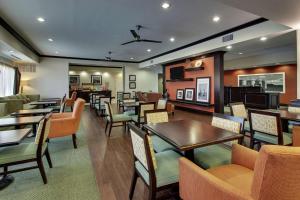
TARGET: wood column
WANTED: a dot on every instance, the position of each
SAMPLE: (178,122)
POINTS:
(219,81)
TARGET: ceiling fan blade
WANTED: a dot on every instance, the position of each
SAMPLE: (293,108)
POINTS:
(128,42)
(134,34)
(153,41)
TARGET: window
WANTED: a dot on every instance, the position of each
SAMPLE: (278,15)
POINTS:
(7,80)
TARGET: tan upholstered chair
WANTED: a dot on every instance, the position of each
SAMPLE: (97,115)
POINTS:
(271,174)
(266,127)
(157,171)
(219,154)
(238,109)
(67,123)
(161,104)
(139,118)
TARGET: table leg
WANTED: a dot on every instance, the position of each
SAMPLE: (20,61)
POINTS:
(285,125)
(189,155)
(136,109)
(5,181)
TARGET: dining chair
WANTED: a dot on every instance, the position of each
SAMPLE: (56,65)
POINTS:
(114,120)
(161,104)
(126,95)
(119,97)
(296,136)
(219,154)
(128,110)
(139,118)
(70,102)
(158,116)
(28,152)
(296,110)
(238,109)
(67,123)
(100,105)
(271,174)
(265,127)
(61,107)
(158,171)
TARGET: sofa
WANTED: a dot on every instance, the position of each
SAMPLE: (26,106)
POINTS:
(19,102)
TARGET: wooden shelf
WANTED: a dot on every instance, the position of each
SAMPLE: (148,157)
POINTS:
(191,69)
(180,80)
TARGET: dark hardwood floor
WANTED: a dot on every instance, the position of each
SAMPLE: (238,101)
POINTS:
(112,157)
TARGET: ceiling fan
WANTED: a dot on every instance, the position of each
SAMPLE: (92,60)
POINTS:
(137,37)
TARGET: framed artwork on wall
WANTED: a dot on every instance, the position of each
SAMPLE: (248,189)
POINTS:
(74,79)
(203,90)
(96,79)
(132,85)
(132,77)
(189,94)
(179,94)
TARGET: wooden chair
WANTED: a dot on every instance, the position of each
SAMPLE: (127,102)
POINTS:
(293,109)
(158,171)
(162,104)
(238,109)
(100,105)
(113,119)
(28,152)
(70,102)
(219,154)
(119,98)
(271,174)
(158,116)
(139,118)
(266,127)
(61,107)
(128,111)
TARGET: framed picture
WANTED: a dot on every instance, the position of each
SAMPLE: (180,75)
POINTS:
(132,77)
(132,85)
(203,90)
(270,82)
(179,94)
(189,94)
(74,79)
(96,79)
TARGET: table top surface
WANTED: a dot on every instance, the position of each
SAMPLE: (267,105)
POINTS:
(49,99)
(13,137)
(190,134)
(14,121)
(285,114)
(43,102)
(32,111)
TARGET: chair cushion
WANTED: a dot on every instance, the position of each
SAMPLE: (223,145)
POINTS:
(212,156)
(167,171)
(159,145)
(238,176)
(135,118)
(287,138)
(19,152)
(247,126)
(129,112)
(121,118)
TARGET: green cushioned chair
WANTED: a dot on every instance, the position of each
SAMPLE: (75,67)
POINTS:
(28,152)
(158,171)
(129,112)
(271,139)
(159,145)
(140,117)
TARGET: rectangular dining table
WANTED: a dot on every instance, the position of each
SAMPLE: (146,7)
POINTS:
(32,112)
(187,135)
(43,104)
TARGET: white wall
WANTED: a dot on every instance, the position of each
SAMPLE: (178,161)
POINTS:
(51,77)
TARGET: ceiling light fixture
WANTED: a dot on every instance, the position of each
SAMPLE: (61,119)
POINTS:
(216,18)
(11,51)
(172,39)
(56,52)
(241,53)
(50,40)
(263,38)
(165,5)
(149,50)
(229,47)
(40,19)
(131,58)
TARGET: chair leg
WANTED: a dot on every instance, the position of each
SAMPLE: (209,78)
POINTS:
(42,170)
(151,194)
(106,126)
(48,158)
(251,143)
(110,127)
(133,184)
(74,140)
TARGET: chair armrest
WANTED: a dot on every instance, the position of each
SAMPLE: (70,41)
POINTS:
(62,127)
(196,183)
(69,102)
(296,136)
(243,156)
(33,97)
(61,115)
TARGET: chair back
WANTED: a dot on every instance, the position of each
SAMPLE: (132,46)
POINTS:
(42,133)
(277,173)
(296,136)
(77,111)
(126,95)
(156,116)
(294,109)
(238,110)
(143,151)
(63,104)
(108,110)
(119,95)
(161,104)
(144,107)
(266,122)
(140,96)
(129,100)
(74,95)
(104,99)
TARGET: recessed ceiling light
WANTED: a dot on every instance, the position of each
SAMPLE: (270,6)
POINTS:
(165,5)
(149,50)
(11,51)
(229,47)
(40,19)
(172,39)
(50,40)
(263,38)
(131,58)
(216,18)
(240,53)
(56,52)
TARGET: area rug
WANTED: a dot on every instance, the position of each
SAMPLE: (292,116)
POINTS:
(72,176)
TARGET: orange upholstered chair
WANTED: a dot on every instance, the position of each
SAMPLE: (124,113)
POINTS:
(296,136)
(67,124)
(271,174)
(70,101)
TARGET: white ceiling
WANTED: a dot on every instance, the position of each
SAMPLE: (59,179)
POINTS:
(91,28)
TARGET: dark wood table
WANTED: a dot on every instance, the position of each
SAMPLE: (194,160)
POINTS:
(286,116)
(50,99)
(43,104)
(19,121)
(8,138)
(187,135)
(33,112)
(134,105)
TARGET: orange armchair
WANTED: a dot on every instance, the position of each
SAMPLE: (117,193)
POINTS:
(273,173)
(70,101)
(67,124)
(296,136)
